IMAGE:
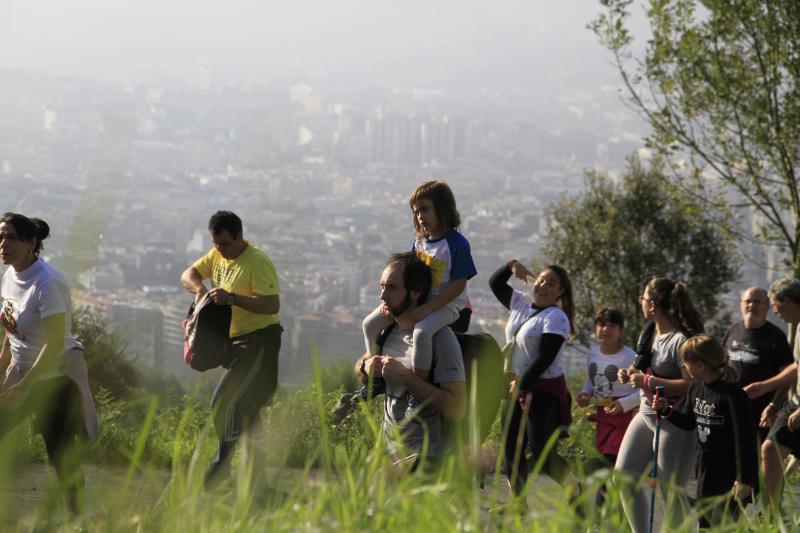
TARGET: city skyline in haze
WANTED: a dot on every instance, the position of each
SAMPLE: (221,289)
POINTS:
(125,125)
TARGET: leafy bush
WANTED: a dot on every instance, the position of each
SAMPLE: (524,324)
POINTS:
(109,368)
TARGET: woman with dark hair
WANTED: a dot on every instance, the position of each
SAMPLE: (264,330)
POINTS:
(667,304)
(43,366)
(537,327)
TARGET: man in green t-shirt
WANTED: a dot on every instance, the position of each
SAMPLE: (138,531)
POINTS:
(243,277)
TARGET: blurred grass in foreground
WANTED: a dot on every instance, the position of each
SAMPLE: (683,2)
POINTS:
(146,474)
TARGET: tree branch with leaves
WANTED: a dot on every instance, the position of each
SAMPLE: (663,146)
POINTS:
(719,83)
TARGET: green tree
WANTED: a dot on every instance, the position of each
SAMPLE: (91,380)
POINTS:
(718,84)
(612,238)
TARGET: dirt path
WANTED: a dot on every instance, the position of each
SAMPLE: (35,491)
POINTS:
(36,485)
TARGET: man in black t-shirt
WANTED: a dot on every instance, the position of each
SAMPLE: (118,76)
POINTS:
(758,350)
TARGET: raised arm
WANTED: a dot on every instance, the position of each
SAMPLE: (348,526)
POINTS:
(498,282)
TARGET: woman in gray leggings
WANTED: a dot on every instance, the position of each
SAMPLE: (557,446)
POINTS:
(667,304)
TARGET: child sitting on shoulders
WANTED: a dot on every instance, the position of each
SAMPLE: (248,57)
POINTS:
(442,247)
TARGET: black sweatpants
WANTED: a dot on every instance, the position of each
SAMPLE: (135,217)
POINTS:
(56,410)
(248,385)
(543,419)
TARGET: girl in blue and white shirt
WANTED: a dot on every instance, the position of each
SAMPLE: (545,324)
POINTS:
(443,248)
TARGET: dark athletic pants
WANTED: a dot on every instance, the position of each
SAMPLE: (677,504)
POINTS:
(56,405)
(246,387)
(544,418)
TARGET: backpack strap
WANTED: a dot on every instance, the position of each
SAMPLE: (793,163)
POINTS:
(644,348)
(378,385)
(432,369)
(385,335)
(531,317)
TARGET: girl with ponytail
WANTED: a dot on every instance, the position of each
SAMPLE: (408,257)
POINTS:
(720,411)
(667,304)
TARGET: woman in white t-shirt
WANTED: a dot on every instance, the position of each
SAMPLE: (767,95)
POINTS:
(43,369)
(539,324)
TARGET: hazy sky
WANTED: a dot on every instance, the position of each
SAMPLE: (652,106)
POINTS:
(530,43)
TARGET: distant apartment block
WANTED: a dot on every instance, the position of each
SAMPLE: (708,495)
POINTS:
(414,140)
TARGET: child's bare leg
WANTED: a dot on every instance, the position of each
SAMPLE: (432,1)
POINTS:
(372,326)
(422,350)
(424,330)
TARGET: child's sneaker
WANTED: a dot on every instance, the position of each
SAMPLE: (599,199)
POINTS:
(413,404)
(378,387)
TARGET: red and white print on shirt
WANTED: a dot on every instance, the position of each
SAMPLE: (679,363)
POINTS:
(7,317)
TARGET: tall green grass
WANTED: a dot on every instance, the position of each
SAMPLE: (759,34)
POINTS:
(307,474)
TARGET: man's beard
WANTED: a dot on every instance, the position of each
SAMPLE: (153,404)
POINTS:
(753,321)
(402,308)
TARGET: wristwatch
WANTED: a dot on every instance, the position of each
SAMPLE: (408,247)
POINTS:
(231,298)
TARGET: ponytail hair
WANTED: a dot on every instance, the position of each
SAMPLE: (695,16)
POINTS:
(565,301)
(672,298)
(708,350)
(28,229)
(682,311)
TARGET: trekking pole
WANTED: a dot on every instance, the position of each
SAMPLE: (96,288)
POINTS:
(654,472)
